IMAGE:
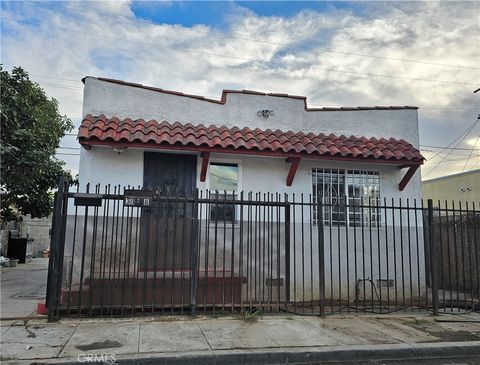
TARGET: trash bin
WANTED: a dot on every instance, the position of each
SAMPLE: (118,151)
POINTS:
(19,248)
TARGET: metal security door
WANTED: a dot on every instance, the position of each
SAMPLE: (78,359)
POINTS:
(167,225)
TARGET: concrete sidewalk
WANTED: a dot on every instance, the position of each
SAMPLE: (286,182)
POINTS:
(267,340)
(273,339)
(23,287)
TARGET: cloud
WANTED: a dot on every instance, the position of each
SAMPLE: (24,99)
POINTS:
(108,8)
(330,57)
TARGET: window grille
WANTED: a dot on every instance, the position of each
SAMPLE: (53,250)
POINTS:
(349,197)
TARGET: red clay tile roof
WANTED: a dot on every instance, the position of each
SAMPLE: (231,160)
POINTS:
(102,130)
(223,97)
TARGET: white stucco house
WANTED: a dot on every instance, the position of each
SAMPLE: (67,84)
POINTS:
(173,143)
(390,137)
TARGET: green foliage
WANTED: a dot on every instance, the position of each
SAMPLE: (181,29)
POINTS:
(30,133)
(251,315)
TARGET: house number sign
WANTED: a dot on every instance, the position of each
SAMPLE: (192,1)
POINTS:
(137,198)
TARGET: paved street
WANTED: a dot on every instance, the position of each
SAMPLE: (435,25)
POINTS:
(23,287)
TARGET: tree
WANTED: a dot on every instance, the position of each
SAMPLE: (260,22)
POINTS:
(30,133)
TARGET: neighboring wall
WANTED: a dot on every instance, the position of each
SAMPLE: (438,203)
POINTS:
(463,187)
(39,230)
(36,228)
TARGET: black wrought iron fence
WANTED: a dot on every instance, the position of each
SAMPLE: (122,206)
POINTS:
(457,234)
(123,251)
(370,255)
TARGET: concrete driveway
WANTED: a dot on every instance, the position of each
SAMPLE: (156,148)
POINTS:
(23,287)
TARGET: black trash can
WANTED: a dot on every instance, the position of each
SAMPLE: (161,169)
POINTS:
(19,248)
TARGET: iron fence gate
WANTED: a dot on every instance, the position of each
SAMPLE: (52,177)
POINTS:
(122,251)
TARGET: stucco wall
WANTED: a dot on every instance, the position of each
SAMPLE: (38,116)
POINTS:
(256,251)
(463,188)
(269,175)
(101,165)
(115,100)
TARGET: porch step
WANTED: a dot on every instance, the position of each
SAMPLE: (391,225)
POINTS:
(161,291)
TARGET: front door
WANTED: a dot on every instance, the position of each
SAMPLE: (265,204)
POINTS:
(167,225)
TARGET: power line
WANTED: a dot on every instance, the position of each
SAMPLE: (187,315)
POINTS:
(55,77)
(446,147)
(462,154)
(427,113)
(67,154)
(455,159)
(475,166)
(431,111)
(61,86)
(460,138)
(193,50)
(421,108)
(473,148)
(318,50)
(444,108)
(215,97)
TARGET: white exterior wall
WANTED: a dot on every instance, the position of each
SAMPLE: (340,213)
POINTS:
(269,175)
(240,110)
(101,165)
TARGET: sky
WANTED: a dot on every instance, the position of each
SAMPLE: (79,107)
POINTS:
(336,53)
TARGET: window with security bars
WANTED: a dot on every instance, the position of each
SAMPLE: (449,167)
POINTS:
(349,197)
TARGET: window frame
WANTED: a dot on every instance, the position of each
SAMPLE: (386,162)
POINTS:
(229,161)
(350,175)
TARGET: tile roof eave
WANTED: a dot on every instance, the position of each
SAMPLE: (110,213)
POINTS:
(166,147)
(102,130)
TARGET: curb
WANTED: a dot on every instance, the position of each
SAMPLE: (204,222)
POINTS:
(299,355)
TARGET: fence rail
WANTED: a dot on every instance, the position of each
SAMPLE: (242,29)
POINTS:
(124,251)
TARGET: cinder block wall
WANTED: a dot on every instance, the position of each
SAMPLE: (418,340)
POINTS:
(38,229)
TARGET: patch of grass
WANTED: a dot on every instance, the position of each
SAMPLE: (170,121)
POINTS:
(251,315)
(219,313)
(419,321)
(165,318)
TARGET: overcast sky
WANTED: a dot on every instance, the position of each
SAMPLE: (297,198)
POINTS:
(337,54)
